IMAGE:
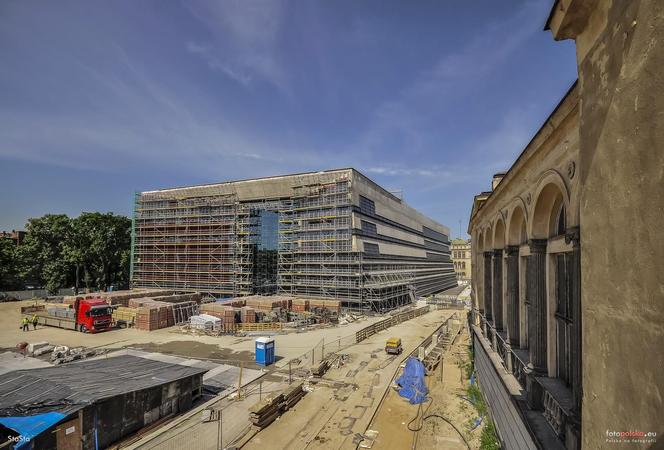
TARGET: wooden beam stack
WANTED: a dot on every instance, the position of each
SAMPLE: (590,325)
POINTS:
(266,411)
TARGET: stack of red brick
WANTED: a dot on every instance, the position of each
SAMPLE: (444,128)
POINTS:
(247,314)
(300,305)
(151,315)
(122,297)
(269,303)
(224,312)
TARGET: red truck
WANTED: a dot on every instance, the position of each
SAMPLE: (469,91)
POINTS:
(87,315)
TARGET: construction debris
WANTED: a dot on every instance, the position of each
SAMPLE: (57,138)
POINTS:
(318,370)
(63,354)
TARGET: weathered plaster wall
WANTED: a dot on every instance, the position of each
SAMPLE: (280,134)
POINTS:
(621,73)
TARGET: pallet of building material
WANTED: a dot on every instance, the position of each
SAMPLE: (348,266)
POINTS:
(71,300)
(179,298)
(267,326)
(264,304)
(247,315)
(205,322)
(216,307)
(300,305)
(126,314)
(165,316)
(147,318)
(123,297)
(56,305)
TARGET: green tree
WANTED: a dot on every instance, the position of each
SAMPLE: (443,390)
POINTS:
(100,243)
(60,252)
(9,266)
(42,255)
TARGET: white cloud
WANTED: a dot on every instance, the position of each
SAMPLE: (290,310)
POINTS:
(215,63)
(243,38)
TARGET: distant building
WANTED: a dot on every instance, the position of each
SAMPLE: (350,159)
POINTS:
(92,404)
(461,251)
(16,236)
(568,249)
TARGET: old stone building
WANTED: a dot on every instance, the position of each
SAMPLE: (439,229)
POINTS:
(461,250)
(566,326)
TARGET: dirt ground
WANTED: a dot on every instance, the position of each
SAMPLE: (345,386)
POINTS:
(230,349)
(344,402)
(396,418)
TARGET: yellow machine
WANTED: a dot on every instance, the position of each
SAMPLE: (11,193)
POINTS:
(393,346)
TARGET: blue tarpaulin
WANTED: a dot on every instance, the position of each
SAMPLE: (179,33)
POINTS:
(31,426)
(412,382)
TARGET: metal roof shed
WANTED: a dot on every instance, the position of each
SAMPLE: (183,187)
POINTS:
(103,400)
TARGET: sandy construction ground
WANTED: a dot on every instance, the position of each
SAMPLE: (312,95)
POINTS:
(342,405)
(169,340)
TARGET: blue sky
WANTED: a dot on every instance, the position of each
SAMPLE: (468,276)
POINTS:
(102,99)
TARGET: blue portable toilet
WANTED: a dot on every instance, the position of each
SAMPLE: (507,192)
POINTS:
(264,351)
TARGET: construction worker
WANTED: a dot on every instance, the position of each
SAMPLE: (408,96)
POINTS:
(26,323)
(35,321)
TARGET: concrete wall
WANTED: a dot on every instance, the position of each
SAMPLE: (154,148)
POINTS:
(621,71)
(261,188)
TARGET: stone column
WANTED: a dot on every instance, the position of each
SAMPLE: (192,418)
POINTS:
(536,299)
(487,287)
(512,253)
(536,281)
(573,236)
(498,288)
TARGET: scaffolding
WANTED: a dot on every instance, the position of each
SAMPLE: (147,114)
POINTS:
(316,257)
(212,240)
(186,243)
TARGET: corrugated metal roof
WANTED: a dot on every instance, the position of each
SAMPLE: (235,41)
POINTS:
(70,387)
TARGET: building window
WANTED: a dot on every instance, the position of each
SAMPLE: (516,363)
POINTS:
(563,317)
(371,249)
(367,206)
(463,265)
(369,228)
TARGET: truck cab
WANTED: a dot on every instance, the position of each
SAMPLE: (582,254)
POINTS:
(93,315)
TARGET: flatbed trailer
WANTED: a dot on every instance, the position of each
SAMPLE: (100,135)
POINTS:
(48,320)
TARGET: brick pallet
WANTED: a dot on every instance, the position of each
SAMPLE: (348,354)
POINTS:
(300,305)
(147,318)
(119,297)
(247,315)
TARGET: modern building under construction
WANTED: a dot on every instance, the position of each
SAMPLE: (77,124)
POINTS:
(332,234)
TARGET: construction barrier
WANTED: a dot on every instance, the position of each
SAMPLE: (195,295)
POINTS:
(389,322)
